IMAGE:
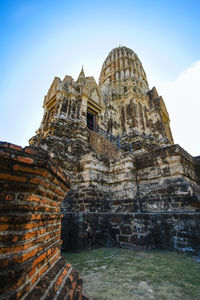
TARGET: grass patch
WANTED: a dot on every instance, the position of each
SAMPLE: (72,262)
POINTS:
(114,273)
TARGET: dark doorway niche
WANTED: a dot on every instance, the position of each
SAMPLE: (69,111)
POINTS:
(90,120)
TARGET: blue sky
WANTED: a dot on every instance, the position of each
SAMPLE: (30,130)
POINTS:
(43,39)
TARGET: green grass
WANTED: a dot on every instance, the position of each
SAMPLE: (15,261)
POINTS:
(113,273)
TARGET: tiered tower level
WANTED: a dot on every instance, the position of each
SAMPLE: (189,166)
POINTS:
(122,104)
(130,184)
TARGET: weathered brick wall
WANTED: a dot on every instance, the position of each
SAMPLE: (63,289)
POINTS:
(162,180)
(101,145)
(177,231)
(139,231)
(103,185)
(168,180)
(159,189)
(31,192)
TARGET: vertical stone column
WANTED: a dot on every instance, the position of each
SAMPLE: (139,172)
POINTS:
(59,100)
(31,191)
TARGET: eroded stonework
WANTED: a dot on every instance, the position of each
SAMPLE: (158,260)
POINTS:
(32,188)
(131,185)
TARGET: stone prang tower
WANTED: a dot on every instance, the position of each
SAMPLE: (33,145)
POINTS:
(131,185)
(131,108)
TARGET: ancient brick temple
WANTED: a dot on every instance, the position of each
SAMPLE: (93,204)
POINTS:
(131,186)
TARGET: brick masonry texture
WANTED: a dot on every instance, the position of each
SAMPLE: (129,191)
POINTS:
(131,186)
(128,163)
(137,231)
(31,190)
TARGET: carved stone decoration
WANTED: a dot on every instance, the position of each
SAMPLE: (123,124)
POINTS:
(130,183)
(95,96)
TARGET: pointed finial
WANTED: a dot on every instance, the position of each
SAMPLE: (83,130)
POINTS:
(81,75)
(82,72)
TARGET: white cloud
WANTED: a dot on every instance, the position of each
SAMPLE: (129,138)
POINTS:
(182,98)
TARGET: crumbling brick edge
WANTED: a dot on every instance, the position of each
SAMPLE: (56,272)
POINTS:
(32,188)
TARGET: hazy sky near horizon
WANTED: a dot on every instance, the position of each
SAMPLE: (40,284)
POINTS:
(44,39)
